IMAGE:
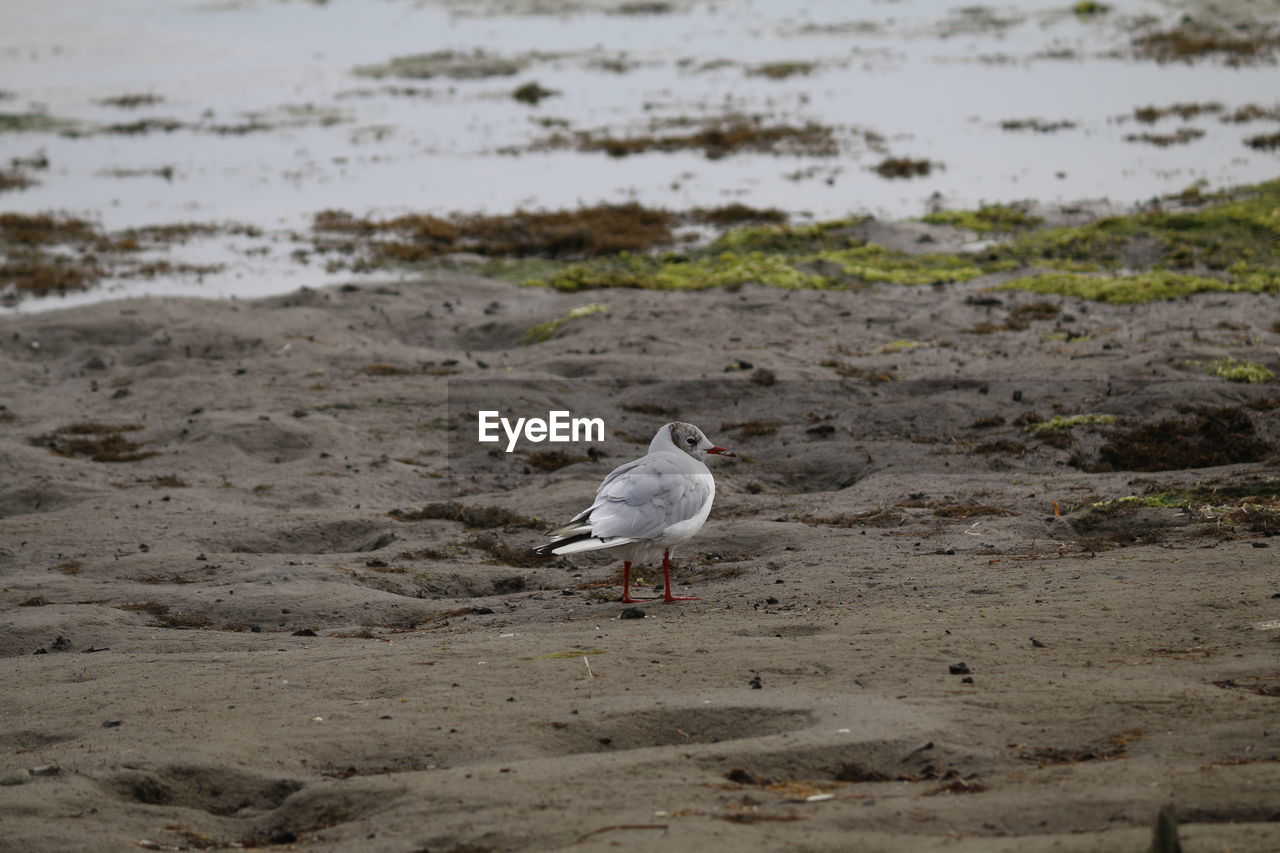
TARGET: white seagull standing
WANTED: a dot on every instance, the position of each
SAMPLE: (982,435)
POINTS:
(647,506)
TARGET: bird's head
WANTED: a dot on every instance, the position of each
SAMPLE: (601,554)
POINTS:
(691,440)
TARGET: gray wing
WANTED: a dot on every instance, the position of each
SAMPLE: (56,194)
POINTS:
(641,499)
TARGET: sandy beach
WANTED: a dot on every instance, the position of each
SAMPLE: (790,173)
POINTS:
(262,589)
(983,297)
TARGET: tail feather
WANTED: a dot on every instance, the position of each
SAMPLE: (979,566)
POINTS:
(580,541)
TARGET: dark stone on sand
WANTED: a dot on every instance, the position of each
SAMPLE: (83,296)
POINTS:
(755,683)
(111,723)
(631,613)
(304,632)
(961,668)
(741,777)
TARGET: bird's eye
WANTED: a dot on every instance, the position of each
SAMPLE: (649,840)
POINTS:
(691,441)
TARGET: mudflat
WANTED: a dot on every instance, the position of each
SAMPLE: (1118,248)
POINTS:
(995,571)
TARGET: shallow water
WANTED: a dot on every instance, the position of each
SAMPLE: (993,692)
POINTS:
(933,80)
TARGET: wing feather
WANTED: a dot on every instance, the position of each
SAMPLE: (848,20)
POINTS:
(641,499)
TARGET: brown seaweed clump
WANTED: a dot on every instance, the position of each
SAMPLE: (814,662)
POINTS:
(903,167)
(98,442)
(604,229)
(1206,437)
(1191,40)
(482,517)
(716,138)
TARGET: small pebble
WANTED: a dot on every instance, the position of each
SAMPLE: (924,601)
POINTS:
(45,770)
(631,613)
(959,668)
(110,724)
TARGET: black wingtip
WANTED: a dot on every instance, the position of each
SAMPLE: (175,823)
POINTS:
(548,550)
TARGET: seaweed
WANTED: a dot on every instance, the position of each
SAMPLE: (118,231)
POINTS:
(99,442)
(1203,438)
(1242,43)
(131,100)
(545,331)
(503,553)
(1181,136)
(744,430)
(1151,114)
(1264,142)
(781,70)
(902,167)
(532,93)
(585,232)
(552,460)
(716,138)
(483,517)
(1132,289)
(736,214)
(1062,422)
(969,510)
(1241,371)
(656,409)
(1038,125)
(999,218)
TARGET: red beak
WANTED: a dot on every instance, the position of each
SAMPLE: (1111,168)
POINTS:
(720,451)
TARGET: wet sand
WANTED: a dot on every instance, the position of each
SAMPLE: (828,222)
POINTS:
(252,634)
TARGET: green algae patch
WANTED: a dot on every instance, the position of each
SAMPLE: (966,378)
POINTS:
(1132,289)
(35,122)
(873,263)
(725,270)
(989,218)
(782,70)
(545,331)
(1062,422)
(1236,232)
(846,268)
(1089,8)
(787,238)
(1225,242)
(1240,371)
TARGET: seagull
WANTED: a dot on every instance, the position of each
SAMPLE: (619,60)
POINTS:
(647,506)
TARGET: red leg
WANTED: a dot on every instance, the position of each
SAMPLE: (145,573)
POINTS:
(666,577)
(626,585)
